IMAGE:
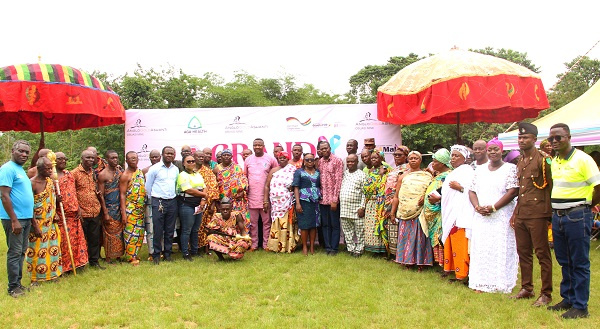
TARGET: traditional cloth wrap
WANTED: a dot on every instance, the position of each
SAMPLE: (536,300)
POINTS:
(461,149)
(496,141)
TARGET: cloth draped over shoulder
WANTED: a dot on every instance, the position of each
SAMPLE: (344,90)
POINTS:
(232,181)
(411,191)
(224,239)
(456,206)
(282,199)
(135,208)
(431,216)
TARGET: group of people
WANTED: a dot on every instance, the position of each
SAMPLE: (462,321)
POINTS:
(477,217)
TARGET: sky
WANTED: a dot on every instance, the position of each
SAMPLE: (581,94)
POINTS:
(322,42)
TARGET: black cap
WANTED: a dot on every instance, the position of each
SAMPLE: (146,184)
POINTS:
(527,128)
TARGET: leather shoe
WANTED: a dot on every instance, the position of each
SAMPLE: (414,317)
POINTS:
(523,294)
(97,266)
(542,300)
(562,306)
(575,313)
(156,261)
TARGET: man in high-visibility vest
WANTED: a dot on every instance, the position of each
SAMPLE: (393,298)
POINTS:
(576,188)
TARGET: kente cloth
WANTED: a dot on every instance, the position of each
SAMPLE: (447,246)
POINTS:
(284,232)
(231,180)
(431,216)
(390,191)
(375,219)
(411,191)
(76,235)
(226,243)
(43,255)
(456,253)
(457,209)
(113,228)
(413,245)
(135,209)
(212,193)
(282,199)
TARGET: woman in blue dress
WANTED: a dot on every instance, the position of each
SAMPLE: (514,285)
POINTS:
(307,191)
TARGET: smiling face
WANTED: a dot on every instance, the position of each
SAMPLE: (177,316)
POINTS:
(352,162)
(132,160)
(259,147)
(325,150)
(479,151)
(189,163)
(87,159)
(494,153)
(309,161)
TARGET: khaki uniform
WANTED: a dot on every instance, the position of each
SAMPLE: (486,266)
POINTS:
(532,215)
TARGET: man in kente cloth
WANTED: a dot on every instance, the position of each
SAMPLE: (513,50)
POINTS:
(132,189)
(212,197)
(228,233)
(43,255)
(66,182)
(112,224)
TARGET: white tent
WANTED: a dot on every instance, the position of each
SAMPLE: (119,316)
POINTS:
(582,116)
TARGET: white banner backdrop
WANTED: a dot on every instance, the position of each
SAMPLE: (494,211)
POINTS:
(236,128)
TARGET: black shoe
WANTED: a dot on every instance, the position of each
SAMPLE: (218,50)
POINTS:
(97,266)
(333,253)
(562,306)
(24,288)
(575,313)
(168,258)
(188,257)
(328,253)
(17,292)
(156,261)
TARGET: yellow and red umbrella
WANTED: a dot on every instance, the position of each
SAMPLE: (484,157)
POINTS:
(48,97)
(460,86)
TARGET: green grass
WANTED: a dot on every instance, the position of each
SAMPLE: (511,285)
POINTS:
(267,290)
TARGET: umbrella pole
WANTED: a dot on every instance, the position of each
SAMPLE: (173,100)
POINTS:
(458,139)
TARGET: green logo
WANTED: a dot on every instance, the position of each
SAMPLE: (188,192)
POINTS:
(194,123)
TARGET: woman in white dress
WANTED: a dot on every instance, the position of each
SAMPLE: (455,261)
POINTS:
(494,260)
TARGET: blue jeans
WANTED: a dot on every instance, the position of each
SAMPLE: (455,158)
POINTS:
(571,233)
(190,224)
(17,245)
(164,212)
(330,225)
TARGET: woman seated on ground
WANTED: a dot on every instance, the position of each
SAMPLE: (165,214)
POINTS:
(192,200)
(278,188)
(307,193)
(228,233)
(457,214)
(413,247)
(494,259)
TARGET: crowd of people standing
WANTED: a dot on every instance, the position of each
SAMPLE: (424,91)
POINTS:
(474,215)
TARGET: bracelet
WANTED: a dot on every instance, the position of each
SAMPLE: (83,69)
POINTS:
(493,208)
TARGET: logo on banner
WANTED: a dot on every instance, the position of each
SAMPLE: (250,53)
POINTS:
(368,123)
(236,126)
(143,153)
(367,117)
(194,127)
(138,124)
(294,123)
(138,129)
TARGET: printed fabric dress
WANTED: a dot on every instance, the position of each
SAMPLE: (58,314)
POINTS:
(431,218)
(309,193)
(391,226)
(113,228)
(135,208)
(376,238)
(43,256)
(284,229)
(212,194)
(494,259)
(224,237)
(231,180)
(76,235)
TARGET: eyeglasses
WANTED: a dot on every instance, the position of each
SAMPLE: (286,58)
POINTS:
(398,154)
(190,161)
(309,160)
(558,138)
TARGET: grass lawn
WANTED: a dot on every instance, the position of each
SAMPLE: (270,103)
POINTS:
(267,290)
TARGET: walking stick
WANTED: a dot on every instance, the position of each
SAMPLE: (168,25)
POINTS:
(52,158)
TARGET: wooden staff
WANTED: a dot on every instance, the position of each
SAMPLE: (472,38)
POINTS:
(52,158)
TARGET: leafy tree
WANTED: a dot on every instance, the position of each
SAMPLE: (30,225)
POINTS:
(510,55)
(574,83)
(365,82)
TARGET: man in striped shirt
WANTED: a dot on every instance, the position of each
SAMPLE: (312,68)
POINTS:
(576,187)
(352,212)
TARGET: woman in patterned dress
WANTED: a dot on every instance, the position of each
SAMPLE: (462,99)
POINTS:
(307,193)
(375,233)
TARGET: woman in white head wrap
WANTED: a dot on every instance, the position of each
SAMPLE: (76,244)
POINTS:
(457,214)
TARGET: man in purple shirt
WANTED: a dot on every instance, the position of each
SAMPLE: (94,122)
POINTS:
(257,168)
(332,172)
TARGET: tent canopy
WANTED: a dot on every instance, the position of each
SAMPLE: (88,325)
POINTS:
(582,116)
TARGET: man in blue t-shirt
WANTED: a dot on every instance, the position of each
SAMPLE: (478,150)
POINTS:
(16,213)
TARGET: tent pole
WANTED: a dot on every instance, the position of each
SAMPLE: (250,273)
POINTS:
(458,139)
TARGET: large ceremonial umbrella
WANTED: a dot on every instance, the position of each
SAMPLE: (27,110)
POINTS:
(461,86)
(49,98)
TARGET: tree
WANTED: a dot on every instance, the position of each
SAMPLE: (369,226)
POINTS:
(510,55)
(573,83)
(365,82)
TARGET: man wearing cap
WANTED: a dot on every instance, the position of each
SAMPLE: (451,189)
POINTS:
(532,214)
(576,186)
(369,143)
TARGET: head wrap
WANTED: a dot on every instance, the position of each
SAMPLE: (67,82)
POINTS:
(226,151)
(443,155)
(415,152)
(285,154)
(511,155)
(497,142)
(404,149)
(461,149)
(379,151)
(544,143)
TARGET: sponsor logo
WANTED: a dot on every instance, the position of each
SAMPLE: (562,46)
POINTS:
(368,123)
(367,117)
(143,153)
(324,125)
(138,124)
(138,129)
(236,121)
(292,119)
(236,126)
(194,126)
(296,124)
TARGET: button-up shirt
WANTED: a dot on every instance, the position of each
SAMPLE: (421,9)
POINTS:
(332,172)
(574,179)
(533,202)
(257,169)
(161,180)
(86,186)
(352,196)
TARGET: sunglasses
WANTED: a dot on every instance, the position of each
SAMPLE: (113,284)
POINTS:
(309,160)
(190,161)
(398,154)
(557,138)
